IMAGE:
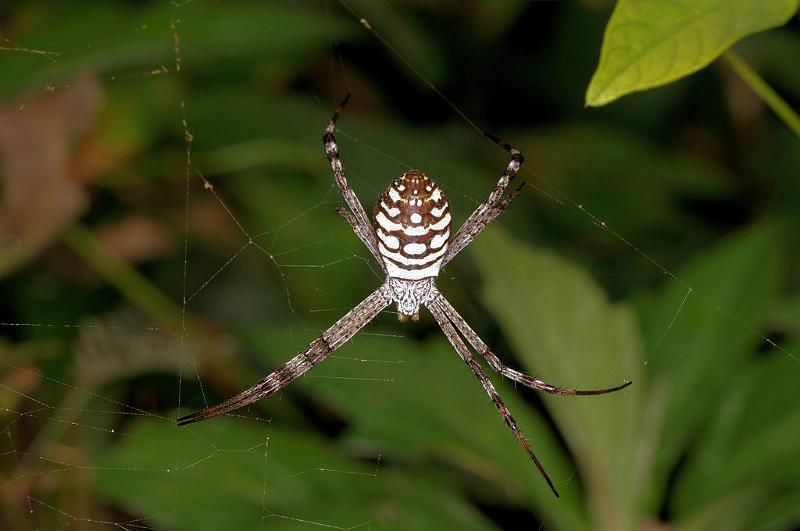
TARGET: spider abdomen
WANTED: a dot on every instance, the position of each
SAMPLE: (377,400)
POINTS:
(412,221)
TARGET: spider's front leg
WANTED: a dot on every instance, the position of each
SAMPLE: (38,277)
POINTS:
(355,214)
(359,229)
(494,205)
(330,340)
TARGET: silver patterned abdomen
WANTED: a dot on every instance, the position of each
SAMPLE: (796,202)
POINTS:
(412,220)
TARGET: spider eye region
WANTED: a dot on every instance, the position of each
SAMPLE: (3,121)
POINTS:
(412,222)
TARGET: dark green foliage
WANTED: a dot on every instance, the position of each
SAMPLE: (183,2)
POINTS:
(656,242)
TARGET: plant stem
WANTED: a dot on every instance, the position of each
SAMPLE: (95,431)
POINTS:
(764,91)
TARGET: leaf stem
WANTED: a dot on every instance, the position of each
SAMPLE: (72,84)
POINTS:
(764,91)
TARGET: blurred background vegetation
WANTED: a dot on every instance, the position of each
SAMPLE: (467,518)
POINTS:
(168,236)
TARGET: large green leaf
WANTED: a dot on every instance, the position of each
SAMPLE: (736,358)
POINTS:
(230,474)
(752,441)
(563,329)
(649,43)
(698,341)
(779,513)
(415,402)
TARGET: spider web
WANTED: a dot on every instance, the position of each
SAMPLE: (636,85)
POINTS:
(56,410)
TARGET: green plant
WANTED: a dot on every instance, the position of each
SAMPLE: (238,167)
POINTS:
(650,43)
(654,243)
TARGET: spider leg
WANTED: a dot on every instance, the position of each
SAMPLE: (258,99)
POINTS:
(358,229)
(358,218)
(463,351)
(495,363)
(492,207)
(330,340)
(470,229)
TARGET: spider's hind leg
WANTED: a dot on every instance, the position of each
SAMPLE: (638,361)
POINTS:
(491,358)
(455,340)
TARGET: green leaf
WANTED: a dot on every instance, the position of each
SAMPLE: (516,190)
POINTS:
(751,442)
(564,330)
(418,402)
(729,514)
(779,513)
(230,474)
(698,341)
(649,43)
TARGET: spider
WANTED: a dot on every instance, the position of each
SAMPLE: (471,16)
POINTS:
(411,241)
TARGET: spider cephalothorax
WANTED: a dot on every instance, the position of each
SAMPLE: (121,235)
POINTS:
(410,295)
(411,242)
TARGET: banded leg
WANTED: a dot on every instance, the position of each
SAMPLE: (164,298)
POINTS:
(359,231)
(330,340)
(488,210)
(465,354)
(359,219)
(495,363)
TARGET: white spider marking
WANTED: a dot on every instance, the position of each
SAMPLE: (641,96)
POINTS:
(415,248)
